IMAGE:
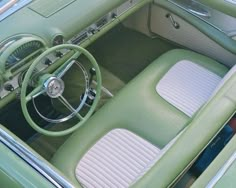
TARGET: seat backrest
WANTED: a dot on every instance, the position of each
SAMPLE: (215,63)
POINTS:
(187,86)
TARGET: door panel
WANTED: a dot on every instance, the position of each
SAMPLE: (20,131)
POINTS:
(217,19)
(187,35)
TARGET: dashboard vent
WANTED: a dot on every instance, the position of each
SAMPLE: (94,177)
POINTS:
(80,38)
(103,21)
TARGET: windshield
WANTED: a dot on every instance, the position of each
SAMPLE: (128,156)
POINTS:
(8,7)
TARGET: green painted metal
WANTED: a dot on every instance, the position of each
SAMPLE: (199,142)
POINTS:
(25,99)
(14,172)
(228,180)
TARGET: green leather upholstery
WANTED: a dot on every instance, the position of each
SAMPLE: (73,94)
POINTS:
(141,110)
(228,179)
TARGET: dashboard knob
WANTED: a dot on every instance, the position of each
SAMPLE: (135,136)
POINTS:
(58,54)
(8,87)
(92,71)
(114,15)
(47,62)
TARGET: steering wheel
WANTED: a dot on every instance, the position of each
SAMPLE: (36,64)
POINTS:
(52,85)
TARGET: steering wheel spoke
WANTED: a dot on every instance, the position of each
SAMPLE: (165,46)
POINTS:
(39,90)
(70,107)
(60,72)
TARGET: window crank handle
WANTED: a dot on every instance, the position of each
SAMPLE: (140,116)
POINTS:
(174,23)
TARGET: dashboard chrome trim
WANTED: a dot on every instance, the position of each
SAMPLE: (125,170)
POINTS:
(34,161)
(102,22)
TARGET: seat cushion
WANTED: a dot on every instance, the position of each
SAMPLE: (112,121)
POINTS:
(137,108)
(117,160)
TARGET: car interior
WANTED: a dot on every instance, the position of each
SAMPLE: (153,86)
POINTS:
(122,93)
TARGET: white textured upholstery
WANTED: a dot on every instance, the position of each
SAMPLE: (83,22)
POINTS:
(118,159)
(187,86)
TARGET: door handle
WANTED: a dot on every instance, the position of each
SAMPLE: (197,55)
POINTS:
(202,12)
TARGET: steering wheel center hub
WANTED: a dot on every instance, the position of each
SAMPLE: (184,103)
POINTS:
(54,87)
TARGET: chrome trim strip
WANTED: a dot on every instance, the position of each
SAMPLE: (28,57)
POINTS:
(231,1)
(199,13)
(35,162)
(222,171)
(108,18)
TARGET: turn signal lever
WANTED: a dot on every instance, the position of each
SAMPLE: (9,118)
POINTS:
(92,72)
(91,92)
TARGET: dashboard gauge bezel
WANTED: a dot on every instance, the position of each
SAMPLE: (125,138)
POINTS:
(10,45)
(12,74)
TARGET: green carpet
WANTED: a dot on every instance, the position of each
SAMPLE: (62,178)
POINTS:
(125,52)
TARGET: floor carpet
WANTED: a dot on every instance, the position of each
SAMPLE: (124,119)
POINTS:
(125,52)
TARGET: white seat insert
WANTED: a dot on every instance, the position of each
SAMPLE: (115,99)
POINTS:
(187,86)
(116,160)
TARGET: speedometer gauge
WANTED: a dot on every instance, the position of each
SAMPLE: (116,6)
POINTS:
(22,52)
(17,52)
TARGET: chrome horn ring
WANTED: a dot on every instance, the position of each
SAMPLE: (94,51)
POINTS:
(54,87)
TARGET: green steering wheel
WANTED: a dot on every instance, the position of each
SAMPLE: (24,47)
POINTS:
(53,86)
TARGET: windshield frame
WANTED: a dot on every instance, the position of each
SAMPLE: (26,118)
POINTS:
(8,7)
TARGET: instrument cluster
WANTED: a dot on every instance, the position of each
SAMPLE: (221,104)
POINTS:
(16,55)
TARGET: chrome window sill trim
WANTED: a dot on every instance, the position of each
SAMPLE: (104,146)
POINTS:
(222,171)
(35,162)
(231,1)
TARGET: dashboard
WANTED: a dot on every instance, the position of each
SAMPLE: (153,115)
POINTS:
(29,27)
